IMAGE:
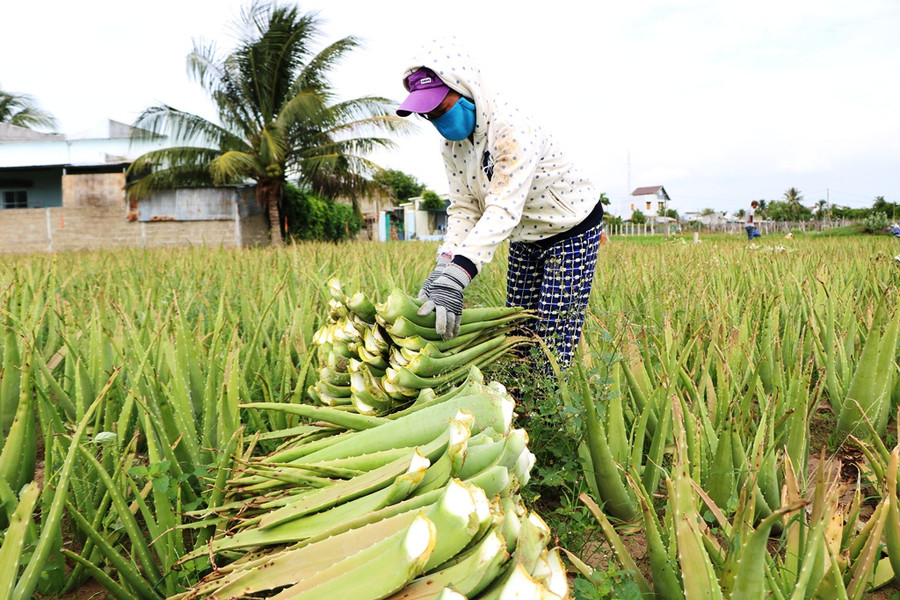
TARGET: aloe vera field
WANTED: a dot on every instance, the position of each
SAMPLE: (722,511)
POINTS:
(279,423)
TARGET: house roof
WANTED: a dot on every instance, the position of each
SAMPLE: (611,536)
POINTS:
(13,133)
(653,189)
(113,145)
(108,130)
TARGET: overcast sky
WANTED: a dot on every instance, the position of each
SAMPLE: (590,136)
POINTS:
(721,102)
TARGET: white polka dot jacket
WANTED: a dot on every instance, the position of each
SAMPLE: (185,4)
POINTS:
(509,180)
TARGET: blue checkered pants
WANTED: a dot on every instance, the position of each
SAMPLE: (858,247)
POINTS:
(556,283)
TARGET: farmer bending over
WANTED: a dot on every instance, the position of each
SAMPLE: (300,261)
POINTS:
(508,180)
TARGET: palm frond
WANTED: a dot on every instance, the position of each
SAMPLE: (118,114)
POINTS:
(204,64)
(365,106)
(346,184)
(373,125)
(165,158)
(21,110)
(336,175)
(272,148)
(351,148)
(268,63)
(167,179)
(313,76)
(303,109)
(182,127)
(233,166)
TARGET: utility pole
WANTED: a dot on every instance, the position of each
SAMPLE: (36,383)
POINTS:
(628,172)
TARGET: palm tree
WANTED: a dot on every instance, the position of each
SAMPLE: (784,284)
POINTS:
(20,110)
(793,197)
(277,118)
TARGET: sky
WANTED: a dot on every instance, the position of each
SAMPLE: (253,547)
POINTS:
(720,102)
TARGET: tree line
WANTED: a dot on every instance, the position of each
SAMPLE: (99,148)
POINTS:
(791,208)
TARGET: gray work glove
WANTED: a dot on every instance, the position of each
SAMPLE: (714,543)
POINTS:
(446,300)
(442,261)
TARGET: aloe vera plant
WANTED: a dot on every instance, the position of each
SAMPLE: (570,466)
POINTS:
(450,459)
(758,346)
(869,393)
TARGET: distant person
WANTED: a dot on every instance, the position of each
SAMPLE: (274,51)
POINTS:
(508,181)
(749,227)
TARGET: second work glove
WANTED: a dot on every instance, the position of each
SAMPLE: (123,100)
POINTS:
(445,298)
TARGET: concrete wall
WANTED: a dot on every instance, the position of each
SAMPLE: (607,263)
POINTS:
(94,189)
(90,228)
(255,230)
(24,230)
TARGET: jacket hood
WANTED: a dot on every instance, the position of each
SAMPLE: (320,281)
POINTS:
(459,71)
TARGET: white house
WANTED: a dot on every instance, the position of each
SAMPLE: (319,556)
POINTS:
(649,200)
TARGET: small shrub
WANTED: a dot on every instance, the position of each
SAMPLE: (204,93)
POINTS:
(311,217)
(431,201)
(613,221)
(875,222)
(638,218)
(608,584)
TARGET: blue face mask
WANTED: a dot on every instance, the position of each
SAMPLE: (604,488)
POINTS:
(458,123)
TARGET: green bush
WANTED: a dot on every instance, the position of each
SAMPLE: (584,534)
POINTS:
(612,221)
(431,201)
(638,218)
(875,222)
(310,217)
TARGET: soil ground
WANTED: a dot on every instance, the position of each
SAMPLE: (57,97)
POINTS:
(91,590)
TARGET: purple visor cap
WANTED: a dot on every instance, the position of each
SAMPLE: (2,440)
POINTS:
(426,90)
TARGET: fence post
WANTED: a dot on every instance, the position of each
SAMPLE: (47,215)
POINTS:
(238,238)
(49,230)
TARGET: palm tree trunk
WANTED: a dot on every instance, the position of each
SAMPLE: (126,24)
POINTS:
(275,225)
(268,194)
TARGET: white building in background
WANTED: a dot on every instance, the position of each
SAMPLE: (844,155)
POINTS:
(411,221)
(67,192)
(709,218)
(650,200)
(36,167)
